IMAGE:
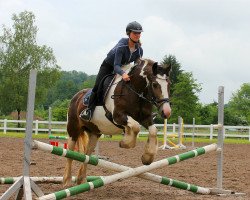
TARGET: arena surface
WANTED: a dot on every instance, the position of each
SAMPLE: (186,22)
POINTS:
(199,171)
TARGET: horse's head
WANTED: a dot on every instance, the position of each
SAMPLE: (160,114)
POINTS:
(159,84)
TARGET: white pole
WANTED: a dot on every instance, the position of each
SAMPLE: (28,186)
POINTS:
(165,133)
(36,129)
(193,133)
(179,130)
(249,134)
(5,126)
(165,137)
(211,131)
(220,136)
(173,128)
(50,120)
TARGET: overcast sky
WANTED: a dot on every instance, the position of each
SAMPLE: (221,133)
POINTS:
(210,38)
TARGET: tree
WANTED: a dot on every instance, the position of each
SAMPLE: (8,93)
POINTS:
(19,53)
(90,82)
(239,104)
(66,87)
(60,109)
(175,71)
(208,114)
(184,98)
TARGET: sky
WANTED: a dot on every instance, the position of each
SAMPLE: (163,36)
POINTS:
(210,38)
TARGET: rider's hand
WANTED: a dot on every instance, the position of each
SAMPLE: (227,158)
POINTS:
(125,77)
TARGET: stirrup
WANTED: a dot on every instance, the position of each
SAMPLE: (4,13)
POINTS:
(86,114)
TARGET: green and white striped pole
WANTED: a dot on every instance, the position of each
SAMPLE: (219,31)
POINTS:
(59,137)
(128,173)
(57,179)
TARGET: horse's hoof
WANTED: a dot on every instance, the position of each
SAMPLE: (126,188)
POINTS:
(66,184)
(122,144)
(147,159)
(80,181)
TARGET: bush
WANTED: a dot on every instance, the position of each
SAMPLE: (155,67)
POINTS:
(60,110)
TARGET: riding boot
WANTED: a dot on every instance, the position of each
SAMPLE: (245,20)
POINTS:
(88,112)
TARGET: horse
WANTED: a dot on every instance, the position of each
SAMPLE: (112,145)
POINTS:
(130,105)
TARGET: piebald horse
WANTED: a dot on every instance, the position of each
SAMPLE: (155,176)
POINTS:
(130,104)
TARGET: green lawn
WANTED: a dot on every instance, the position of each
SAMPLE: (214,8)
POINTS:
(141,138)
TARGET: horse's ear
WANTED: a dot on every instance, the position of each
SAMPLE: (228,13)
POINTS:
(168,68)
(138,61)
(154,68)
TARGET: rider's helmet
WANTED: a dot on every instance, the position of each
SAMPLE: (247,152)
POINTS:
(134,26)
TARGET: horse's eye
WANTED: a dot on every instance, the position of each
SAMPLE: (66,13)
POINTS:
(154,84)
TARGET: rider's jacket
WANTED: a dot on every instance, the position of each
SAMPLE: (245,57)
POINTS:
(121,55)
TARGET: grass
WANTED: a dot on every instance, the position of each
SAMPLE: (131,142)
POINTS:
(141,138)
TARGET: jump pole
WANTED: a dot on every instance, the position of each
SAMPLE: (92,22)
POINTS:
(165,146)
(180,133)
(56,179)
(117,167)
(120,176)
(58,137)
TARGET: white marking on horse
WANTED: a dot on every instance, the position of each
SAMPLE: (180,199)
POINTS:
(109,101)
(164,85)
(104,125)
(142,72)
(164,89)
(133,124)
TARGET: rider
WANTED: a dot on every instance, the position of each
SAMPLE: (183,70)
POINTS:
(127,50)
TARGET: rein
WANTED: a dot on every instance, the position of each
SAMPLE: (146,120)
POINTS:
(157,102)
(153,101)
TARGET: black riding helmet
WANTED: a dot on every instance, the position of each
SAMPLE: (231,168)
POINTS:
(133,26)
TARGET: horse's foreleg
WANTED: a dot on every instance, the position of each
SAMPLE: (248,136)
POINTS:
(151,146)
(131,131)
(67,171)
(87,147)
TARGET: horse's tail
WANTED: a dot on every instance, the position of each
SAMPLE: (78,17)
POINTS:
(82,142)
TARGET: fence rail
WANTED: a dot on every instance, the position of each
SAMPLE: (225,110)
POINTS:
(198,130)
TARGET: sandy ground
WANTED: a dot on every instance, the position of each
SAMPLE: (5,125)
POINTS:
(200,171)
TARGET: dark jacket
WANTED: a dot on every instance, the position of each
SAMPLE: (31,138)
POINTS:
(121,55)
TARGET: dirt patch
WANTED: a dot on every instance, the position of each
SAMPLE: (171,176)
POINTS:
(199,171)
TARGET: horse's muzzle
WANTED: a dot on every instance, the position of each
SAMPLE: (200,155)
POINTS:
(165,110)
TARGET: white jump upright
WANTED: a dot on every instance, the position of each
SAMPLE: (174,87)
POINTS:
(220,137)
(24,185)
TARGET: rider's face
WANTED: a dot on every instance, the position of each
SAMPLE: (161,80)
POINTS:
(135,36)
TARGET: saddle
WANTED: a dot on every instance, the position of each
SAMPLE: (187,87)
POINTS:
(103,89)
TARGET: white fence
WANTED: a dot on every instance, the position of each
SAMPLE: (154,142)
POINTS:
(38,126)
(198,130)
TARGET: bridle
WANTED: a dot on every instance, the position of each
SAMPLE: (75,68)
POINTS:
(153,100)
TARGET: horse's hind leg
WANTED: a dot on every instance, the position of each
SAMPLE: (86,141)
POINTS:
(67,172)
(87,146)
(151,146)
